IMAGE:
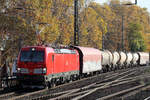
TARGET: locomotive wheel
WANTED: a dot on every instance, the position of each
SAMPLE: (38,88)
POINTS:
(52,84)
(47,85)
(20,85)
(69,81)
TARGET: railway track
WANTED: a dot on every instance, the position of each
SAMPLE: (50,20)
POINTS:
(89,87)
(8,95)
(86,92)
(16,93)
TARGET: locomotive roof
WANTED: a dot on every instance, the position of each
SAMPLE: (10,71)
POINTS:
(53,49)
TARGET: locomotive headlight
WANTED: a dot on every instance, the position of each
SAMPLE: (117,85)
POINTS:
(44,70)
(22,70)
(18,70)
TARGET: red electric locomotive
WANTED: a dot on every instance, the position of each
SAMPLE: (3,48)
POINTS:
(40,66)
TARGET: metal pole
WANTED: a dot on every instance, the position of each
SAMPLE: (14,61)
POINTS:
(123,25)
(102,41)
(149,57)
(19,42)
(135,1)
(76,29)
(122,32)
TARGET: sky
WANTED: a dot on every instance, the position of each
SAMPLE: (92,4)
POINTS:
(141,3)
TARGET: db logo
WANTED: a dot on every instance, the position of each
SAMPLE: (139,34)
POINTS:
(31,71)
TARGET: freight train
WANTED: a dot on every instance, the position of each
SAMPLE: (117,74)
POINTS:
(48,66)
(8,76)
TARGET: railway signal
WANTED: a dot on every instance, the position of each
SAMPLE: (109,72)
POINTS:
(135,1)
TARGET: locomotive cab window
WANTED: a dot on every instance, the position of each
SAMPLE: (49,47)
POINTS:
(32,56)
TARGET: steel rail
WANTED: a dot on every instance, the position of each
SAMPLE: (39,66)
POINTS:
(53,94)
(121,92)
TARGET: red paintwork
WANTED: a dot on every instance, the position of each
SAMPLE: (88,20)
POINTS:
(61,63)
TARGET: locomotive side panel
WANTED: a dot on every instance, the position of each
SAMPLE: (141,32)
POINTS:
(65,62)
(71,62)
(58,63)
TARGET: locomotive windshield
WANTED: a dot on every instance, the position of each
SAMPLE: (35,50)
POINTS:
(32,56)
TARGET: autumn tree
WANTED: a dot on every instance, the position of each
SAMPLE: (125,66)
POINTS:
(14,31)
(90,30)
(129,14)
(53,21)
(136,41)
